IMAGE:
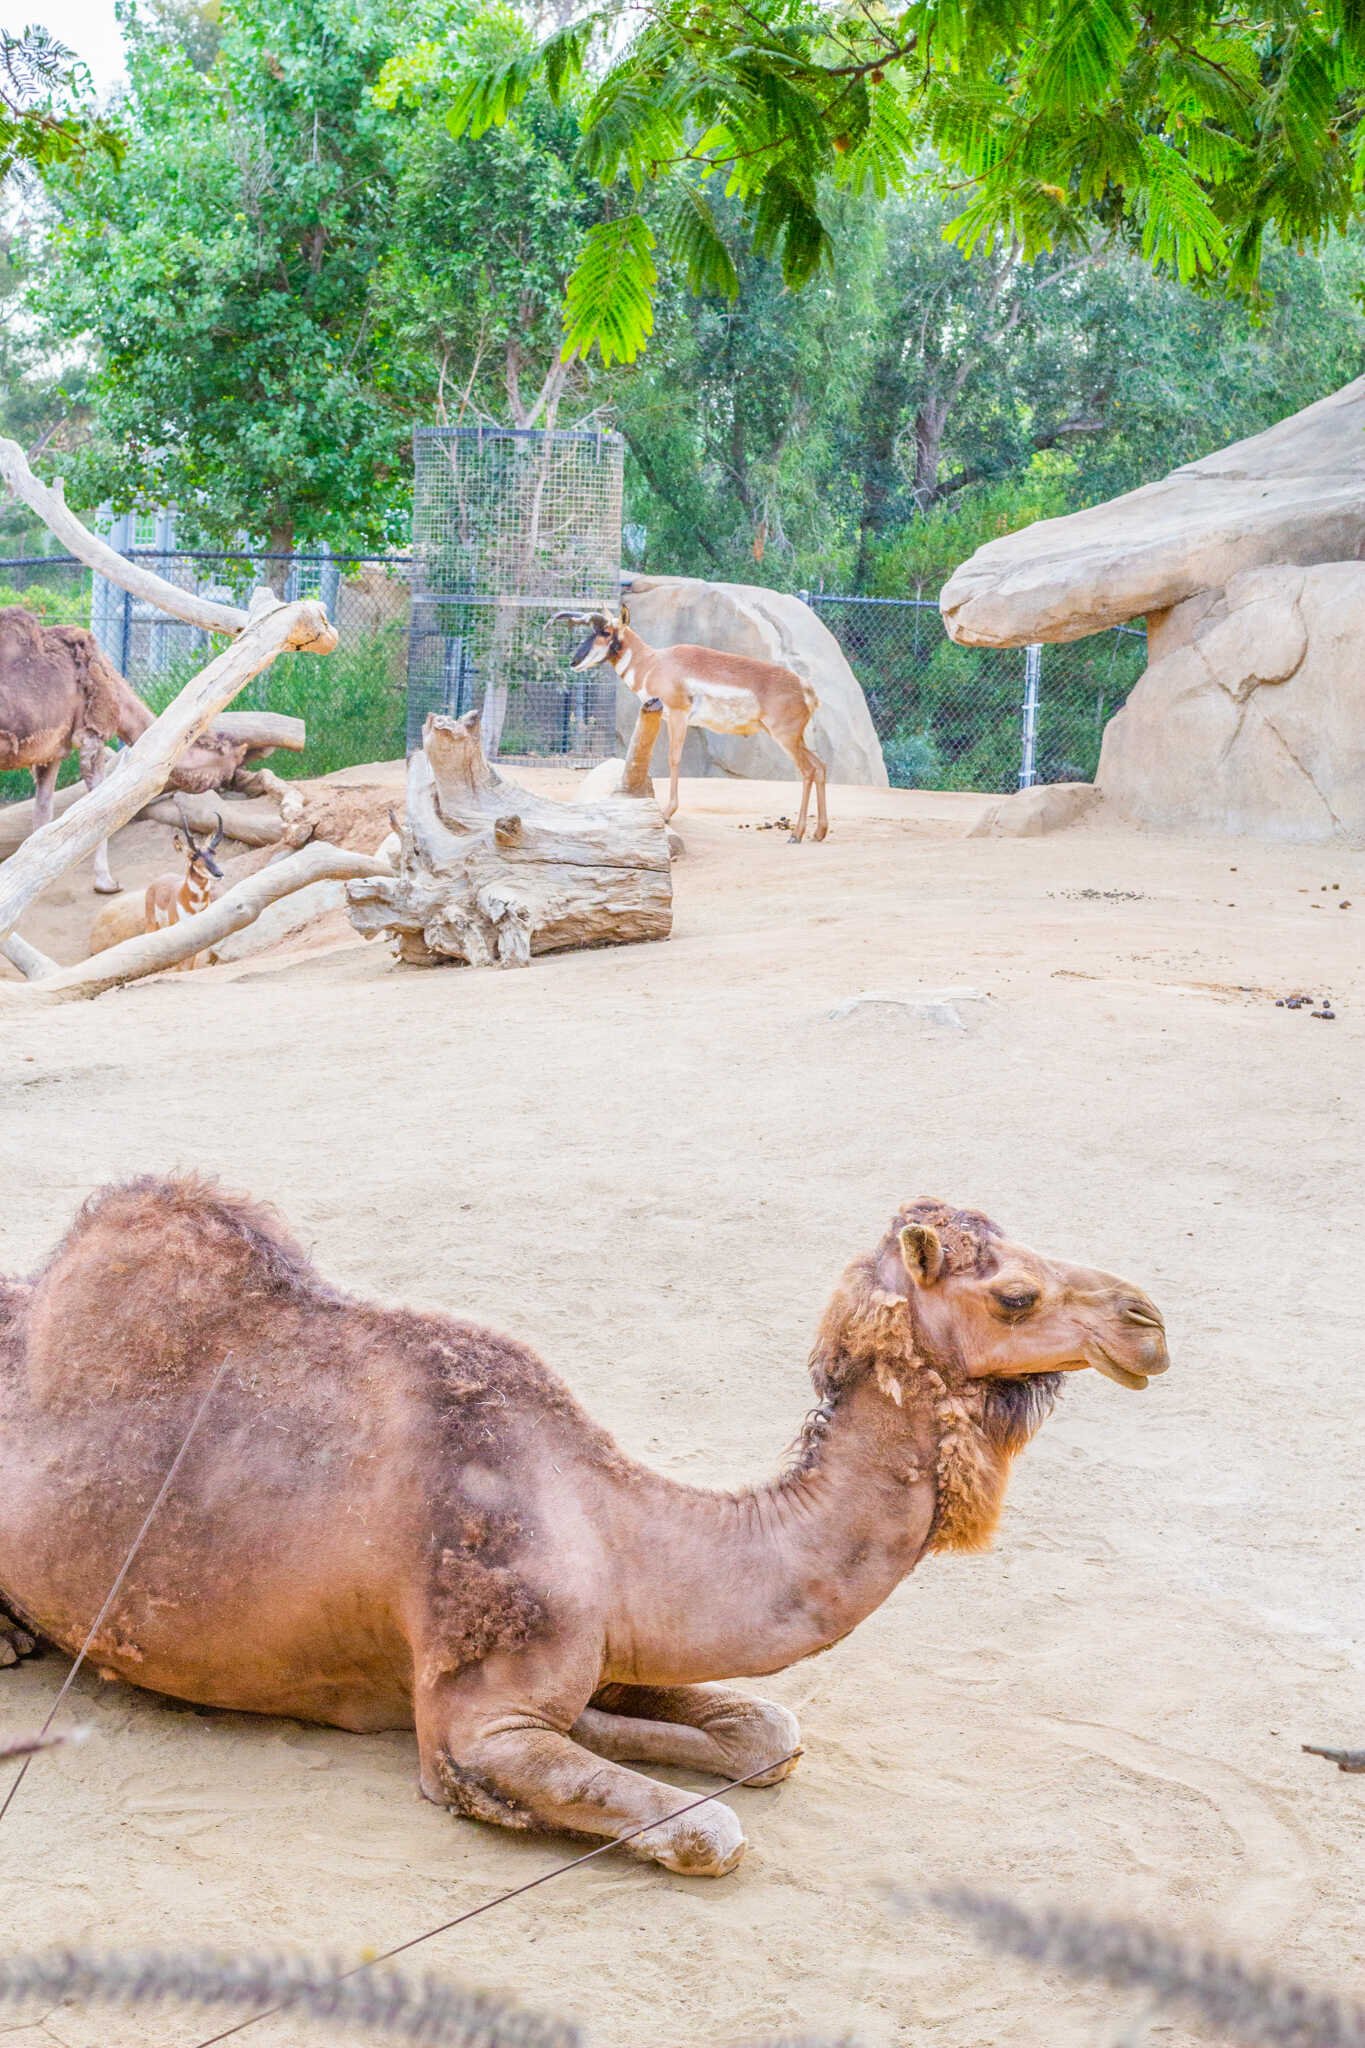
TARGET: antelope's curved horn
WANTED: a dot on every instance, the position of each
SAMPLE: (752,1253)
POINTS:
(218,834)
(573,618)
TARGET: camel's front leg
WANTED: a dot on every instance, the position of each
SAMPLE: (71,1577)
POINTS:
(701,1727)
(44,790)
(502,1767)
(94,762)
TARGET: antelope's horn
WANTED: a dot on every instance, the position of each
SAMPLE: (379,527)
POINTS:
(218,834)
(573,618)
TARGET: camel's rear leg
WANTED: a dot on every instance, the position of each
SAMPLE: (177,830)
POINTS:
(504,1769)
(700,1727)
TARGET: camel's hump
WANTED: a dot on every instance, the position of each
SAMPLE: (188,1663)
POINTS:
(147,1282)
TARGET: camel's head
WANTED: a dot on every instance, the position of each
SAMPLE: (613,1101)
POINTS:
(987,1308)
(603,642)
(949,1308)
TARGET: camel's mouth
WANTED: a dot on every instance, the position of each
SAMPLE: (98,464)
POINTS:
(1122,1375)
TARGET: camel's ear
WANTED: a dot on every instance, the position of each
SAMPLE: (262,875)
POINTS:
(922,1253)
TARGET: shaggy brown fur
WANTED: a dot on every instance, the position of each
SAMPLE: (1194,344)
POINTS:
(388,1518)
(60,695)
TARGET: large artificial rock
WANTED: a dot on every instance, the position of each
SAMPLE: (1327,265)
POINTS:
(1251,717)
(741,618)
(1295,493)
(1028,813)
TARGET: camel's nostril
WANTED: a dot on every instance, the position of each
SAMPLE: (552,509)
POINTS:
(1142,1313)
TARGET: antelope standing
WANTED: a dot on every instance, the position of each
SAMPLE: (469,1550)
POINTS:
(173,897)
(701,686)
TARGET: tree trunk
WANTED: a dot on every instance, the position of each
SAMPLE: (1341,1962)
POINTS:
(281,547)
(490,873)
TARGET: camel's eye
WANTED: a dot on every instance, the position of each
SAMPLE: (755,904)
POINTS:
(1017,1301)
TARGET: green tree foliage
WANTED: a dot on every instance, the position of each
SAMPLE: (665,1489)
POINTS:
(45,116)
(1191,129)
(871,431)
(224,278)
(484,238)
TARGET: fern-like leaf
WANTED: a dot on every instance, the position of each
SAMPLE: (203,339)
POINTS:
(609,302)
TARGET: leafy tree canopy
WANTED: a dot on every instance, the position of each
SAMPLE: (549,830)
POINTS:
(45,116)
(1191,129)
(224,277)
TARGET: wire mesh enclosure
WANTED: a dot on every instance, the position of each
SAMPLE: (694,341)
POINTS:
(509,527)
(991,718)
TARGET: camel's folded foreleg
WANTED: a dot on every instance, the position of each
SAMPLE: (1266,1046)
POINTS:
(487,1761)
(699,1727)
(15,1640)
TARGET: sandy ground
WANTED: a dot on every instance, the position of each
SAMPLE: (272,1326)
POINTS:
(652,1164)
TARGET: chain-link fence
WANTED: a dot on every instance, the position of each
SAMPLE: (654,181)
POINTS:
(948,717)
(999,718)
(353,703)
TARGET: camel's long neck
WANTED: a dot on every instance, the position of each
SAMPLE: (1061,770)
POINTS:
(134,716)
(736,1585)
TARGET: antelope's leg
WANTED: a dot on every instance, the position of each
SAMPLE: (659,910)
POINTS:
(701,1727)
(497,1764)
(44,789)
(677,735)
(812,776)
(94,761)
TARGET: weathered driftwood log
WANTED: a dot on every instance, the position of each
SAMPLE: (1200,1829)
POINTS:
(490,873)
(250,824)
(257,827)
(153,951)
(264,732)
(141,770)
(32,964)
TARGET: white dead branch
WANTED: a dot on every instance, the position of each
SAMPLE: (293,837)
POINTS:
(151,952)
(142,770)
(48,501)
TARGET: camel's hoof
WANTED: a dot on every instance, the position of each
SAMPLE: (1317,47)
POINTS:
(109,888)
(15,1642)
(794,839)
(708,1842)
(775,1777)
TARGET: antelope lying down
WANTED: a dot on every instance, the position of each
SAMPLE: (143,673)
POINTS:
(172,897)
(701,686)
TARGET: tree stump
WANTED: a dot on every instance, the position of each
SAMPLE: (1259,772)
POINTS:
(490,874)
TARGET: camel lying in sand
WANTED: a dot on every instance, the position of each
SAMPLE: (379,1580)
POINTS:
(390,1518)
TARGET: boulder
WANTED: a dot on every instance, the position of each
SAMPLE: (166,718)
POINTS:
(1046,807)
(1295,493)
(1251,717)
(741,618)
